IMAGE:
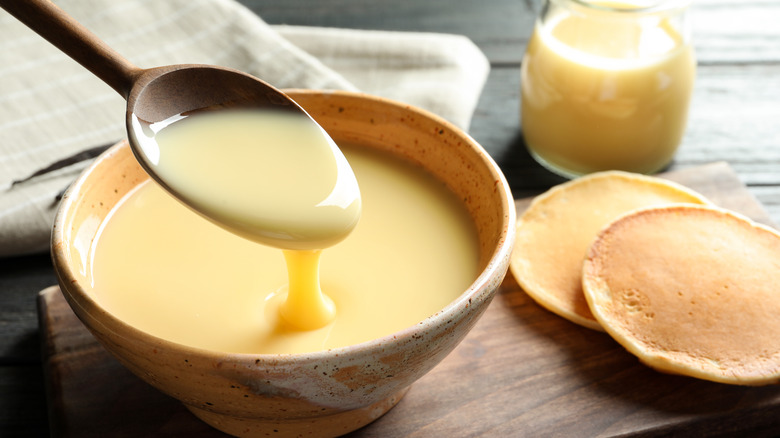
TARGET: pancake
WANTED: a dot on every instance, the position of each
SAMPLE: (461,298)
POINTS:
(690,290)
(554,233)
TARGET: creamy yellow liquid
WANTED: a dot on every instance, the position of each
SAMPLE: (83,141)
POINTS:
(273,177)
(270,176)
(169,272)
(599,96)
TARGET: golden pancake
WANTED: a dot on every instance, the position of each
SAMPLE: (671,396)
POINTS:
(554,233)
(690,290)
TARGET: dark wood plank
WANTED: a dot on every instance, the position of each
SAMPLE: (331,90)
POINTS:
(734,117)
(22,390)
(22,401)
(522,371)
(20,280)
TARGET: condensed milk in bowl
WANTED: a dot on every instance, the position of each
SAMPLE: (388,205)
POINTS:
(197,311)
(606,85)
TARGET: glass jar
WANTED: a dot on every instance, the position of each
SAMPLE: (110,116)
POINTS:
(606,85)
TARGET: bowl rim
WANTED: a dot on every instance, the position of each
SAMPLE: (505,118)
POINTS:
(477,289)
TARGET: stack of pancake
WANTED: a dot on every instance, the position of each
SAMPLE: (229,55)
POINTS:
(688,287)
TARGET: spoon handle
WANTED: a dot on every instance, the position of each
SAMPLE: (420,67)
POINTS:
(76,41)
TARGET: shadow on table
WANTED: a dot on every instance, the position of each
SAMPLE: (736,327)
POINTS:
(613,394)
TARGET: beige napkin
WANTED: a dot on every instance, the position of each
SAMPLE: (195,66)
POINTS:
(52,109)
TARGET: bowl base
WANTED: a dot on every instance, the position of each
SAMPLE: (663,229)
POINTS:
(333,425)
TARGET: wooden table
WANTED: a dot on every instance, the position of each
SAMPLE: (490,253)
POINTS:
(735,117)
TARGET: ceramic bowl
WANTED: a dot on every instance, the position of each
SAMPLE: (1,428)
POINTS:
(326,393)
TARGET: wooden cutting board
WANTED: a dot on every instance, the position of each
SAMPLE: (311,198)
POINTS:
(522,371)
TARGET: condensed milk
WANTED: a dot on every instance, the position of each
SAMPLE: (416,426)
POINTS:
(169,272)
(606,85)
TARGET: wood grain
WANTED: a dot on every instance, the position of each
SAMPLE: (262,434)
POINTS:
(522,371)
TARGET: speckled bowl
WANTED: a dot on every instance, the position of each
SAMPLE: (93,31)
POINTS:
(326,393)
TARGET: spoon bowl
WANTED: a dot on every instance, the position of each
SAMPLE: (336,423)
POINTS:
(174,92)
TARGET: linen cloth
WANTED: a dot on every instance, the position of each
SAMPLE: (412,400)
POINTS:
(53,110)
